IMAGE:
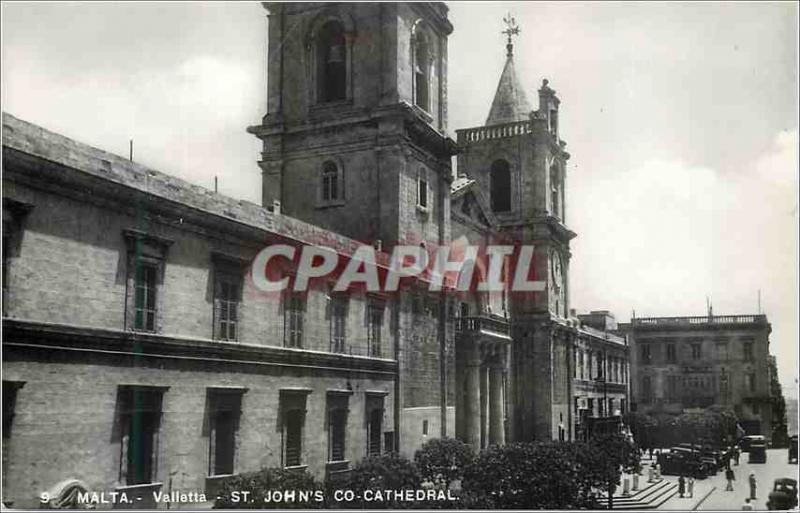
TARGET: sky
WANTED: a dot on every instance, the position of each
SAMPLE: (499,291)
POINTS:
(681,119)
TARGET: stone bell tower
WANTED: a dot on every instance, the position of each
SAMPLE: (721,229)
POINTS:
(354,139)
(519,157)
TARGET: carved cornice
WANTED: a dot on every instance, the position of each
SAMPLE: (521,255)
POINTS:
(32,339)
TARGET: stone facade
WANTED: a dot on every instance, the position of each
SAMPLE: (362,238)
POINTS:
(693,362)
(129,306)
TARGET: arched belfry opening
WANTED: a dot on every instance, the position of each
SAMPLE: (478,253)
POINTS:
(332,62)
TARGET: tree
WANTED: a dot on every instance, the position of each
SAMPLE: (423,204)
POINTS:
(780,435)
(609,454)
(442,460)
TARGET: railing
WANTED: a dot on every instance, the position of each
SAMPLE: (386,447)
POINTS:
(494,132)
(705,319)
(483,323)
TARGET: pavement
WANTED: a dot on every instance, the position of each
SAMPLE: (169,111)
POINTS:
(710,494)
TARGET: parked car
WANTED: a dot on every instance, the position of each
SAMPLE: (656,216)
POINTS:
(758,452)
(681,461)
(748,440)
(793,449)
(783,494)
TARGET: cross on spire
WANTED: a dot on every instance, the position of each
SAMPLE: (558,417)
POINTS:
(512,29)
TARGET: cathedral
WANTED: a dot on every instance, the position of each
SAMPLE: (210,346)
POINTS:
(138,357)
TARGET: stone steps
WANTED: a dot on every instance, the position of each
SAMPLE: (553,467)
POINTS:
(651,496)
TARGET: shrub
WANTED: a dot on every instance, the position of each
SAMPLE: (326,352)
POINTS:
(385,472)
(548,475)
(442,461)
(266,483)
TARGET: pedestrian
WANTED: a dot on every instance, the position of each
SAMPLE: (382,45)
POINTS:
(752,480)
(690,488)
(681,486)
(747,506)
(736,453)
(730,477)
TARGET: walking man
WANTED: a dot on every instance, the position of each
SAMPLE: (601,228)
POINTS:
(691,486)
(730,477)
(681,486)
(736,453)
(752,480)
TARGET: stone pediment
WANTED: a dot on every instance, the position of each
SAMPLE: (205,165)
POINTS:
(468,202)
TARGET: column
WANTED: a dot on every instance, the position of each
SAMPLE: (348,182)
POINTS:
(484,373)
(496,431)
(472,400)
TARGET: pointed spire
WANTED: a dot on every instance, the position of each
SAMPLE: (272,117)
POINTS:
(510,103)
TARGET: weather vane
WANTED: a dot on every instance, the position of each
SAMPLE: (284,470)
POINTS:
(512,29)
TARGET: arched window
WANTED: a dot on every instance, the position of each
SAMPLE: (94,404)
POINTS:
(331,182)
(422,63)
(555,190)
(331,62)
(500,186)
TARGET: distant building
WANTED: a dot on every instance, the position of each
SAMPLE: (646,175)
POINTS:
(601,373)
(681,363)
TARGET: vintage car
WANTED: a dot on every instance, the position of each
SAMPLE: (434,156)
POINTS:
(783,494)
(793,449)
(758,452)
(712,458)
(681,461)
(748,440)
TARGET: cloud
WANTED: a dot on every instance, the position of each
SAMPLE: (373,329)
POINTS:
(661,236)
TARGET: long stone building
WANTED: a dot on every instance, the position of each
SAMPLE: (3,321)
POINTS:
(685,363)
(138,355)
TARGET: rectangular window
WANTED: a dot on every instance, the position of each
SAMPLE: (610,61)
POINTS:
(293,415)
(224,411)
(671,354)
(10,389)
(750,380)
(696,351)
(139,423)
(422,189)
(14,215)
(227,295)
(338,323)
(374,328)
(748,351)
(374,412)
(722,351)
(645,354)
(293,318)
(145,297)
(146,257)
(337,426)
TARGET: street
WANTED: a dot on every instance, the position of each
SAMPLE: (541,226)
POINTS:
(710,493)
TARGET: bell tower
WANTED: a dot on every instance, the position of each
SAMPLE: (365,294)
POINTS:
(519,157)
(354,139)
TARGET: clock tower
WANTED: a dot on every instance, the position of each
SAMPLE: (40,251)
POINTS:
(518,156)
